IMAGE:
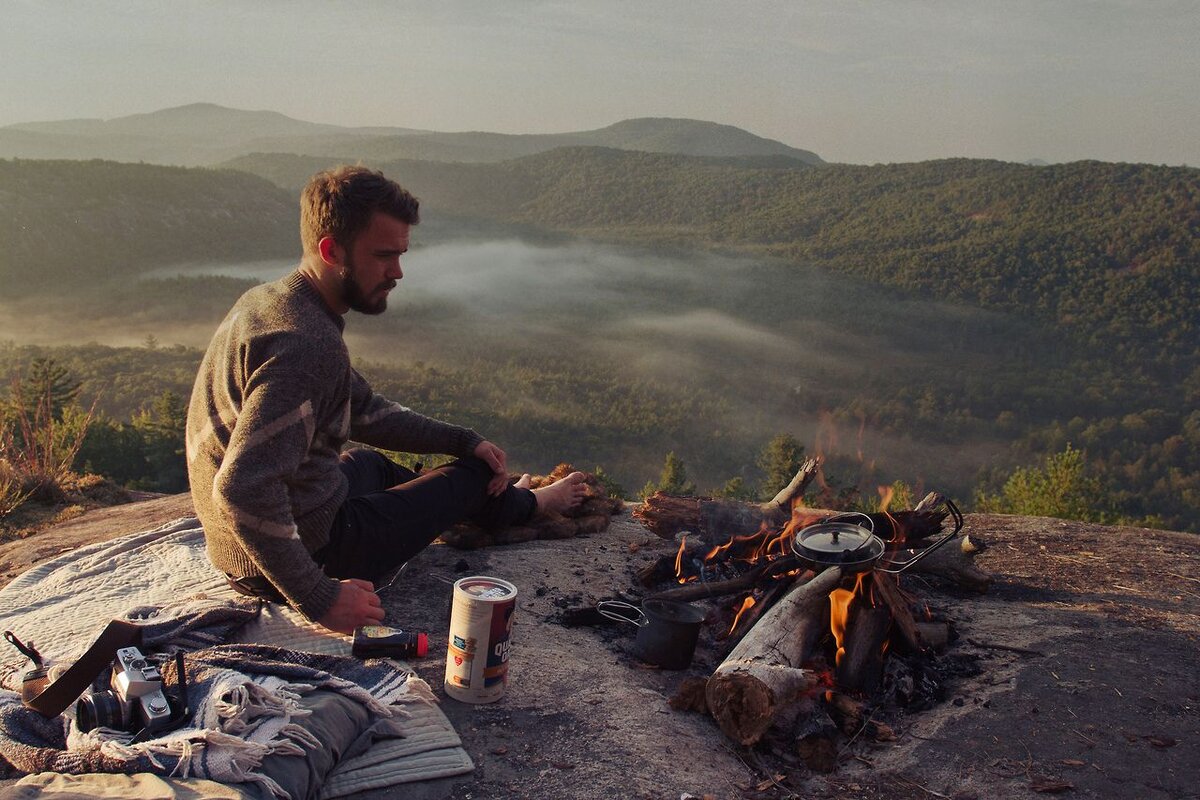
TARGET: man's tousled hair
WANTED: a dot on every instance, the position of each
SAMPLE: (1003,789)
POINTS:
(340,202)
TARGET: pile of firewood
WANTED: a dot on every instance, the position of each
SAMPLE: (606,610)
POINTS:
(777,676)
(590,516)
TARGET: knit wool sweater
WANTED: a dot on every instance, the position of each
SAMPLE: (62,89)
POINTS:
(275,400)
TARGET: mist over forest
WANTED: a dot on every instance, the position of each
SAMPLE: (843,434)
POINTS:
(941,324)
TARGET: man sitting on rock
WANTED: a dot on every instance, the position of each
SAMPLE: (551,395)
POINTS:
(286,514)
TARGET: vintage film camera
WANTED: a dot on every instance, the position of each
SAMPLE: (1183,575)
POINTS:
(136,702)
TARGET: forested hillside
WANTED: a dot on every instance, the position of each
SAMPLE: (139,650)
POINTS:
(1090,273)
(1110,251)
(63,223)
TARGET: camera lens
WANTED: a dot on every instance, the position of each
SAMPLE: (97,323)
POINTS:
(99,710)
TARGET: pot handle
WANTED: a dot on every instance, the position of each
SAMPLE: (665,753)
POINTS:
(613,610)
(895,567)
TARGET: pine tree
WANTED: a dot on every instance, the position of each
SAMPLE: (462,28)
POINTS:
(673,479)
(610,485)
(47,385)
(736,489)
(163,426)
(779,461)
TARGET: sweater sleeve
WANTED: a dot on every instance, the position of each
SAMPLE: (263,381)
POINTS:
(379,422)
(274,429)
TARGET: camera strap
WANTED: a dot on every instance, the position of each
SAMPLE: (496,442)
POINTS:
(54,699)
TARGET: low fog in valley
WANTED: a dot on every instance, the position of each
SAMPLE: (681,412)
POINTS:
(773,345)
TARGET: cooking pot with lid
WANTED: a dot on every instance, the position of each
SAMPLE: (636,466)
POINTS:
(843,540)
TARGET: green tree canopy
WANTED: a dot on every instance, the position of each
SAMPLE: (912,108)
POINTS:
(673,479)
(47,385)
(779,461)
(1060,487)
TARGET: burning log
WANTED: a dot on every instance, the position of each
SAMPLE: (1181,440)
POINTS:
(665,515)
(930,501)
(860,659)
(887,589)
(763,674)
(665,567)
(700,591)
(749,617)
(782,502)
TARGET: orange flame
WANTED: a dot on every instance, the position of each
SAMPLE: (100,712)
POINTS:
(722,549)
(840,603)
(679,560)
(886,493)
(747,604)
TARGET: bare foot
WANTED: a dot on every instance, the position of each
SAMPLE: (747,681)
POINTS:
(562,495)
(524,482)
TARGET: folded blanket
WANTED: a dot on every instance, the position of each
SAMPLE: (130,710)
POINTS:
(245,701)
(64,603)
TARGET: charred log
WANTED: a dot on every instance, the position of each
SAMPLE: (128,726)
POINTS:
(663,568)
(700,590)
(935,635)
(887,589)
(780,585)
(861,665)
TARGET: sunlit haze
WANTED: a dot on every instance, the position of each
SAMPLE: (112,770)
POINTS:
(851,81)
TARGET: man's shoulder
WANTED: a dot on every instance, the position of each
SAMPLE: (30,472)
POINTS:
(271,324)
(277,309)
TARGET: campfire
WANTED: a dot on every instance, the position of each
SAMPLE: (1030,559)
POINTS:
(810,606)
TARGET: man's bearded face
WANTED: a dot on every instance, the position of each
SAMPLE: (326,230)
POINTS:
(365,300)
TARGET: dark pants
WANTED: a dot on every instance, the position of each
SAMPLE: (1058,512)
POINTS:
(392,513)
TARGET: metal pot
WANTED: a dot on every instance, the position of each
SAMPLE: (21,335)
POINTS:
(836,541)
(667,629)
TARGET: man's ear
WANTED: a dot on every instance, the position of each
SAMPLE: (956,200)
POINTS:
(330,251)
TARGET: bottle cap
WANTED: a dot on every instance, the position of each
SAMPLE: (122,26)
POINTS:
(422,644)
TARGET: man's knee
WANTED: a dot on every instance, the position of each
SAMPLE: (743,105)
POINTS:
(477,472)
(362,456)
(476,465)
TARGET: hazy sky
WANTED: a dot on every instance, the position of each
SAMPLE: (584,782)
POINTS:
(857,82)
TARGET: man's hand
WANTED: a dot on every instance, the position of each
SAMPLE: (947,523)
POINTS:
(356,605)
(495,459)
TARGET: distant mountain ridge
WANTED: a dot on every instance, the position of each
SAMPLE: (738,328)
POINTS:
(202,134)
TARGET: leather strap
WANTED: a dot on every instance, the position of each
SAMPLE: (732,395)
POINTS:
(55,698)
